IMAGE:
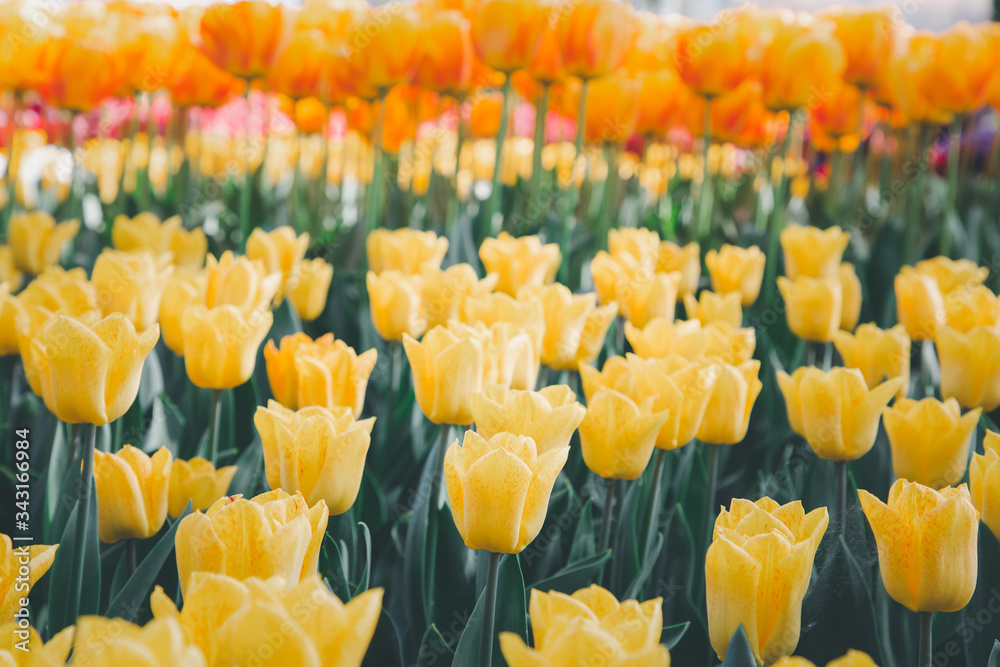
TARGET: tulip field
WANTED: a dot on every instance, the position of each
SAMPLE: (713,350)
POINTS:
(538,333)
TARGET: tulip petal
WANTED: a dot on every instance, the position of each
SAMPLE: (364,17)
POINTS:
(495,488)
(536,503)
(732,577)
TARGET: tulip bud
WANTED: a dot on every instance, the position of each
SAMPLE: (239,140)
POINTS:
(810,46)
(197,481)
(617,434)
(735,269)
(879,354)
(813,252)
(220,344)
(132,490)
(66,292)
(617,374)
(309,286)
(710,307)
(680,387)
(506,522)
(131,283)
(549,416)
(506,33)
(727,416)
(850,288)
(444,291)
(395,304)
(952,274)
(970,366)
(315,451)
(104,642)
(930,440)
(181,291)
(406,250)
(520,261)
(712,57)
(648,296)
(242,38)
(867,36)
(146,232)
(509,356)
(685,260)
(448,367)
(728,344)
(758,547)
(813,306)
(968,307)
(240,282)
(273,534)
(641,245)
(662,336)
(574,328)
(984,482)
(526,314)
(36,241)
(40,557)
(279,251)
(919,304)
(920,570)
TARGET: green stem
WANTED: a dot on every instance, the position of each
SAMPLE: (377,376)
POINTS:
(245,224)
(11,173)
(82,518)
(710,492)
(760,217)
(541,109)
(214,419)
(570,199)
(609,501)
(841,494)
(442,446)
(913,208)
(857,185)
(653,504)
(489,612)
(953,160)
(373,195)
(610,195)
(319,221)
(130,555)
(778,215)
(295,194)
(926,640)
(493,203)
(707,197)
(75,194)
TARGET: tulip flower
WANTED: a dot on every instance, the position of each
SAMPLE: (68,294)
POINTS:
(507,522)
(960,87)
(617,434)
(273,534)
(196,81)
(239,281)
(66,292)
(813,306)
(132,490)
(679,386)
(662,336)
(391,51)
(243,38)
(728,344)
(406,250)
(36,557)
(850,288)
(868,36)
(712,57)
(448,367)
(727,416)
(835,412)
(300,67)
(308,288)
(29,323)
(506,33)
(445,64)
(970,366)
(685,260)
(316,627)
(279,251)
(984,482)
(757,572)
(130,283)
(9,273)
(574,328)
(640,244)
(315,451)
(919,304)
(879,354)
(952,274)
(36,241)
(36,651)
(526,314)
(90,373)
(197,481)
(647,296)
(485,115)
(616,374)
(812,252)
(850,659)
(930,440)
(549,416)
(445,291)
(180,292)
(395,304)
(595,37)
(710,307)
(103,642)
(969,307)
(220,344)
(813,47)
(520,261)
(612,105)
(735,269)
(573,629)
(81,72)
(509,355)
(920,570)
(146,232)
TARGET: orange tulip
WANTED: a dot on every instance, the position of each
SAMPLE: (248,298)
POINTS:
(506,33)
(334,18)
(961,69)
(611,109)
(299,68)
(445,64)
(596,36)
(838,114)
(386,46)
(798,48)
(243,38)
(154,42)
(81,74)
(712,58)
(655,43)
(484,119)
(310,115)
(660,101)
(547,66)
(197,82)
(911,76)
(400,123)
(22,68)
(868,36)
(732,112)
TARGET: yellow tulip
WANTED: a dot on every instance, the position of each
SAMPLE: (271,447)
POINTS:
(527,314)
(926,545)
(9,272)
(735,269)
(36,240)
(221,343)
(793,661)
(309,287)
(727,416)
(813,306)
(240,282)
(976,306)
(66,292)
(509,356)
(850,288)
(812,252)
(662,336)
(835,412)
(324,372)
(132,491)
(549,416)
(198,481)
(853,659)
(448,368)
(273,534)
(984,482)
(25,564)
(181,291)
(520,261)
(39,653)
(685,260)
(316,451)
(613,273)
(131,283)
(90,373)
(642,245)
(395,304)
(616,374)
(574,327)
(970,366)
(952,274)
(680,387)
(444,291)
(228,620)
(728,344)
(474,472)
(406,250)
(617,434)
(104,642)
(710,307)
(930,440)
(146,232)
(919,304)
(29,322)
(590,624)
(757,571)
(879,354)
(9,310)
(280,250)
(648,296)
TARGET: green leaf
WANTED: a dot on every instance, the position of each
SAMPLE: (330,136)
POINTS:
(583,537)
(366,574)
(511,616)
(673,634)
(249,470)
(647,568)
(386,648)
(135,593)
(739,653)
(576,575)
(434,651)
(61,576)
(421,538)
(995,654)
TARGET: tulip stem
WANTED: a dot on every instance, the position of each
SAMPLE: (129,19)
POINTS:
(11,168)
(571,193)
(926,642)
(130,555)
(319,221)
(712,466)
(214,418)
(841,494)
(778,215)
(915,205)
(493,203)
(372,196)
(247,177)
(707,195)
(541,109)
(489,612)
(82,518)
(609,501)
(653,506)
(951,212)
(610,195)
